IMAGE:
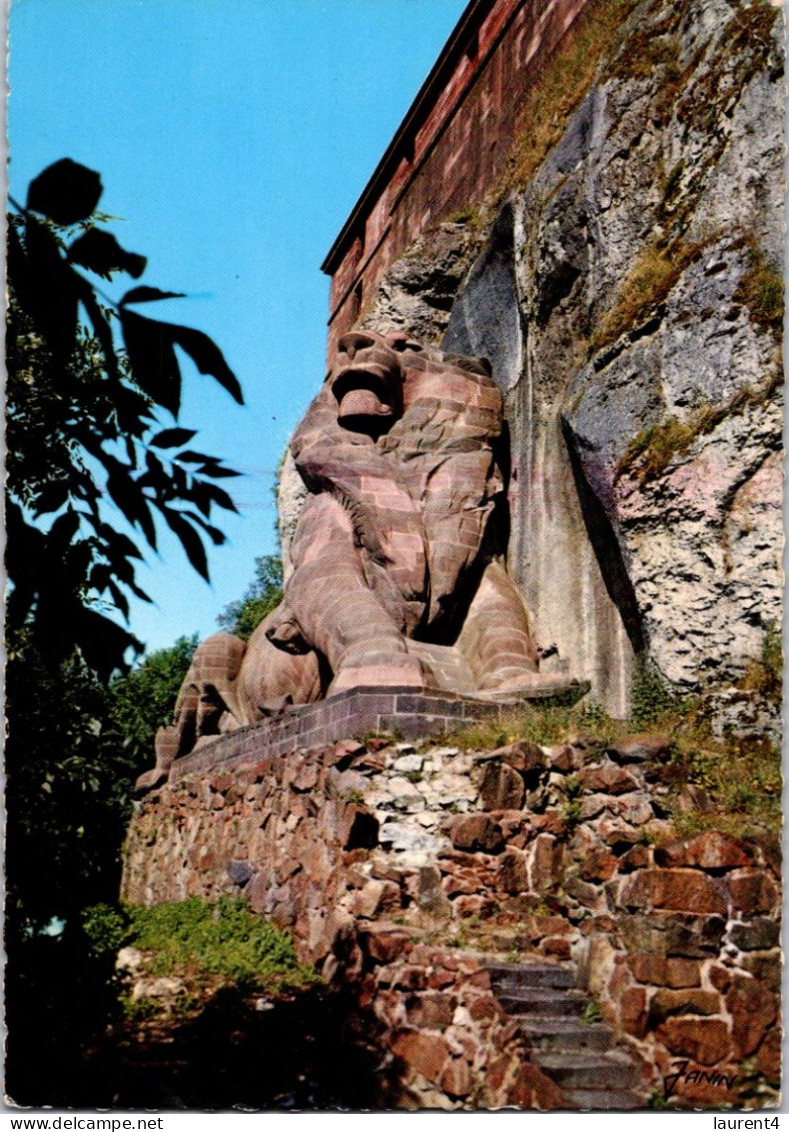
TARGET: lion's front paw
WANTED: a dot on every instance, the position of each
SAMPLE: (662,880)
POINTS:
(401,671)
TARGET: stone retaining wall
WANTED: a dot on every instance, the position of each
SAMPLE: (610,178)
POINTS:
(357,711)
(562,853)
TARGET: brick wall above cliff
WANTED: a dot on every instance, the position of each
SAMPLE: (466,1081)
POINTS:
(452,145)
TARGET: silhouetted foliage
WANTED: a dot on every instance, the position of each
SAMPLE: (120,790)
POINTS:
(265,593)
(82,425)
(86,380)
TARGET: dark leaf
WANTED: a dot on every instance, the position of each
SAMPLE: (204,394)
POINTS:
(190,457)
(128,498)
(100,576)
(132,409)
(141,594)
(102,642)
(51,497)
(158,475)
(152,359)
(190,540)
(119,542)
(218,472)
(201,498)
(17,268)
(119,598)
(208,358)
(99,251)
(101,328)
(24,560)
(148,295)
(217,537)
(219,496)
(63,530)
(66,192)
(173,437)
(53,289)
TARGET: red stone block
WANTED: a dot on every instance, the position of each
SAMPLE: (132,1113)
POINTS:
(306,777)
(431,1010)
(513,872)
(673,889)
(666,1003)
(706,1041)
(547,863)
(752,891)
(411,978)
(534,1089)
(599,865)
(557,947)
(551,822)
(475,832)
(381,943)
(565,760)
(683,973)
(768,1059)
(426,1053)
(497,1071)
(550,925)
(456,1079)
(753,1009)
(526,756)
(633,1011)
(648,968)
(719,976)
(608,778)
(713,850)
(440,979)
(502,788)
(485,1009)
(477,905)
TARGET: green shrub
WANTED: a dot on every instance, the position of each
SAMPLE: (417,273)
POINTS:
(107,927)
(651,699)
(225,938)
(591,1014)
(765,675)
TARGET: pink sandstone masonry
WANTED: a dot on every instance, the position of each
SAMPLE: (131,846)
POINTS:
(357,711)
(402,868)
(452,144)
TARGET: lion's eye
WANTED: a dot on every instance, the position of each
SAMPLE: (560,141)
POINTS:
(402,345)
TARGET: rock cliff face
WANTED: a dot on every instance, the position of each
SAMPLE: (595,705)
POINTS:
(628,294)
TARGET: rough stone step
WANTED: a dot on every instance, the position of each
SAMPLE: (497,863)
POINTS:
(603,1071)
(560,1034)
(508,976)
(544,1001)
(611,1100)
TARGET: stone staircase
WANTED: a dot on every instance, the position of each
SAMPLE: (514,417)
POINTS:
(581,1057)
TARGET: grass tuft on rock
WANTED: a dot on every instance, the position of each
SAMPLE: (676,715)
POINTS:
(655,272)
(564,83)
(762,290)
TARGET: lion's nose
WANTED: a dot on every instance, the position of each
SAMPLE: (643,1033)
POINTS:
(355,340)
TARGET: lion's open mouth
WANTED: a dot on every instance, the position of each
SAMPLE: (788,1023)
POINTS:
(372,379)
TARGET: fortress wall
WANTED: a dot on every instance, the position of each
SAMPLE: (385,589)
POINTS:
(453,144)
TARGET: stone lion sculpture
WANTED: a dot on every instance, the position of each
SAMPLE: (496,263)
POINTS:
(397,571)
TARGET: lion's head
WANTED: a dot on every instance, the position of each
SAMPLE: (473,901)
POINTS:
(371,370)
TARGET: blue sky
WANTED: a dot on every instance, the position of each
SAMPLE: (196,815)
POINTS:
(233,137)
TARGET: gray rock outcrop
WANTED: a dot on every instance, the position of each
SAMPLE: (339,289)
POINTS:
(629,297)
